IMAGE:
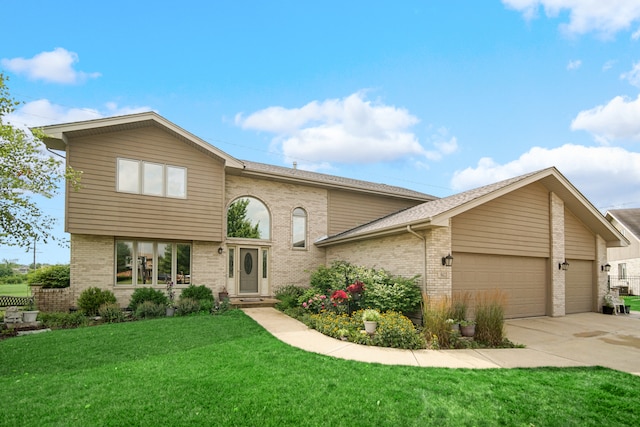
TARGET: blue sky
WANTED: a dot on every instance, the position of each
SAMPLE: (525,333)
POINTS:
(436,96)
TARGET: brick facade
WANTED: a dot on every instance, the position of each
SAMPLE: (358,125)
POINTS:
(557,292)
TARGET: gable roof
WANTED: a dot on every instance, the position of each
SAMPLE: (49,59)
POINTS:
(281,173)
(56,136)
(629,218)
(437,213)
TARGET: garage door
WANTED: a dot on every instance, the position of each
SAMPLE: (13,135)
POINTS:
(523,279)
(579,287)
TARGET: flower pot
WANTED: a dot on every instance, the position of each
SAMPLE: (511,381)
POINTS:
(30,316)
(455,327)
(468,330)
(223,296)
(171,311)
(607,309)
(370,327)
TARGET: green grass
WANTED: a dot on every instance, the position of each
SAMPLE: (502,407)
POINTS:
(226,370)
(633,301)
(21,290)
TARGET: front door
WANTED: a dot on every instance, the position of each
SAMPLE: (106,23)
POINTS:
(248,271)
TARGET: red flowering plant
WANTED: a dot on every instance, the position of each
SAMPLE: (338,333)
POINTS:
(356,287)
(356,291)
(339,299)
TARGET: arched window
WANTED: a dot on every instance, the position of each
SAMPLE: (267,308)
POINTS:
(299,228)
(249,218)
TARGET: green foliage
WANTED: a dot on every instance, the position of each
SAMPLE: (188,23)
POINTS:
(141,295)
(288,296)
(111,313)
(16,279)
(187,306)
(199,293)
(53,276)
(150,310)
(238,225)
(92,298)
(489,312)
(6,269)
(401,295)
(26,170)
(59,320)
(370,315)
(393,330)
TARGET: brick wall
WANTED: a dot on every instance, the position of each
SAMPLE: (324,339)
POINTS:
(53,300)
(557,256)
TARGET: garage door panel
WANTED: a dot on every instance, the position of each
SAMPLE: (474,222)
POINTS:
(579,287)
(522,279)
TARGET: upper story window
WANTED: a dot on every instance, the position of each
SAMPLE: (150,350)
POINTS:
(249,218)
(151,179)
(299,228)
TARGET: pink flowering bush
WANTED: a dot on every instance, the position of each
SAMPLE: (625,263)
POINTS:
(317,303)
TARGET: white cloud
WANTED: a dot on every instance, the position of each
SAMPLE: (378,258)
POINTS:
(600,16)
(619,119)
(608,65)
(348,130)
(55,66)
(636,35)
(633,76)
(607,176)
(574,65)
(43,112)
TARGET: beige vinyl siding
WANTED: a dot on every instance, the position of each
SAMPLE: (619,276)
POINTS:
(98,209)
(514,224)
(579,242)
(347,210)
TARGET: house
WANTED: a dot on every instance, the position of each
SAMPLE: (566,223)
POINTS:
(625,261)
(159,203)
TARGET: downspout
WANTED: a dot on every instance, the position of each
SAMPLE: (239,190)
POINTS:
(424,258)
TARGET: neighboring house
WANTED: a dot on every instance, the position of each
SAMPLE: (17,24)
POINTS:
(625,261)
(155,202)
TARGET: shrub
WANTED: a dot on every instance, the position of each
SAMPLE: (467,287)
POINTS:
(401,295)
(314,302)
(459,305)
(141,295)
(489,311)
(111,313)
(200,293)
(53,276)
(92,298)
(187,306)
(394,329)
(435,315)
(288,296)
(59,320)
(150,309)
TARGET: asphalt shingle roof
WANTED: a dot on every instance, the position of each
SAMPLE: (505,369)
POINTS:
(630,218)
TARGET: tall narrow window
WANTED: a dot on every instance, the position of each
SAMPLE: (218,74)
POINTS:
(176,182)
(299,228)
(152,179)
(622,271)
(128,176)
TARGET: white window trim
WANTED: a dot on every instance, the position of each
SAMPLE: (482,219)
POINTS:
(141,174)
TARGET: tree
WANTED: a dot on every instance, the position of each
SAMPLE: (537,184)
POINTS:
(26,170)
(237,223)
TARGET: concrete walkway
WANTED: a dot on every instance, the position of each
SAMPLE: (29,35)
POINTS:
(585,339)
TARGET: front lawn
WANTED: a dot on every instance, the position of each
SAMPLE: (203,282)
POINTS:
(227,370)
(633,301)
(19,290)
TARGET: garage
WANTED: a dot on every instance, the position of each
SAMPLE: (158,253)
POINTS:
(523,279)
(579,286)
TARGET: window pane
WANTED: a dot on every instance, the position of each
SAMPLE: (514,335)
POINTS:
(128,176)
(248,218)
(165,258)
(231,262)
(145,263)
(183,263)
(299,228)
(264,264)
(124,263)
(153,179)
(176,182)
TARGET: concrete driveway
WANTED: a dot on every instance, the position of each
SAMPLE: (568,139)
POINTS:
(584,339)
